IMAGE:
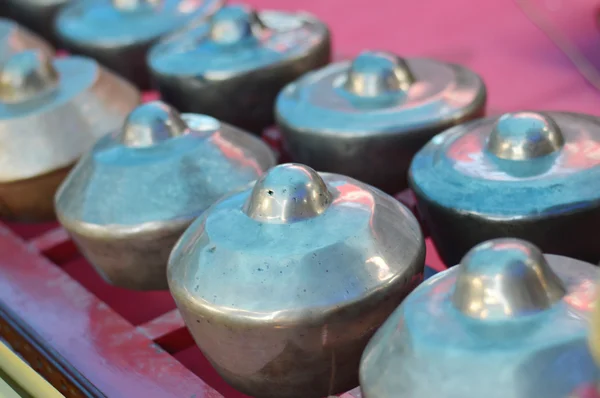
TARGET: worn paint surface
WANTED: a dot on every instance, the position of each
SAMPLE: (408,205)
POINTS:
(92,337)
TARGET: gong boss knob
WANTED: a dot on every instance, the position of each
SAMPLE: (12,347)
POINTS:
(512,320)
(529,175)
(51,112)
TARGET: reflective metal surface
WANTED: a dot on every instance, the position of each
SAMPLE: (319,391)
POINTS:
(118,33)
(283,284)
(129,199)
(15,38)
(287,195)
(524,136)
(37,15)
(530,175)
(27,75)
(233,67)
(367,117)
(507,322)
(51,112)
(504,279)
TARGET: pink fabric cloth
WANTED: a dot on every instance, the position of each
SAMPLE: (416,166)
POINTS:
(522,68)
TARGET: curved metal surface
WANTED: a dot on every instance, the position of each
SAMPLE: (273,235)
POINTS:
(529,175)
(163,170)
(283,284)
(537,81)
(118,33)
(524,336)
(15,38)
(218,67)
(523,136)
(458,170)
(367,117)
(51,112)
(67,104)
(505,279)
(25,76)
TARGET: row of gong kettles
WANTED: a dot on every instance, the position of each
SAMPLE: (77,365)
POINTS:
(297,283)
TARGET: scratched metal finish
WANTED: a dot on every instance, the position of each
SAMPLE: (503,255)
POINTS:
(158,185)
(15,38)
(234,66)
(118,33)
(367,117)
(37,15)
(523,333)
(283,284)
(519,175)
